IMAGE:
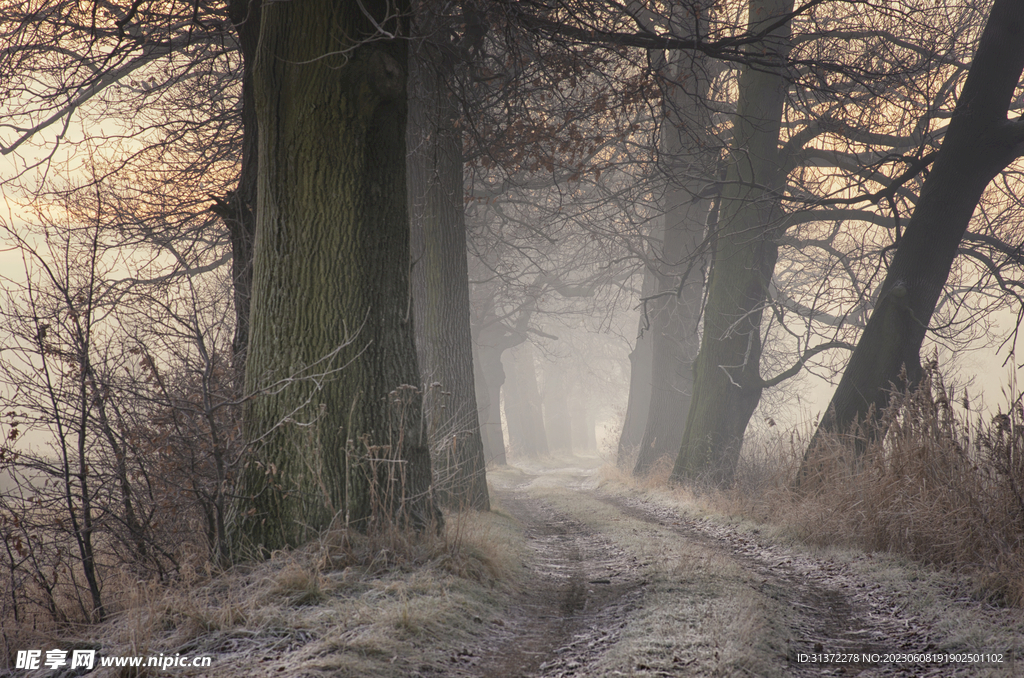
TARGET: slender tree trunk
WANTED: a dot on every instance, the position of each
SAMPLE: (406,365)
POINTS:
(238,208)
(513,410)
(333,422)
(584,436)
(490,378)
(979,144)
(557,419)
(728,384)
(440,277)
(523,404)
(491,339)
(641,361)
(674,337)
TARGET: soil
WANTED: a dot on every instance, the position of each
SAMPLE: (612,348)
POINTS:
(585,588)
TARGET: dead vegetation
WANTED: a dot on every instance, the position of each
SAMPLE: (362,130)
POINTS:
(935,482)
(348,604)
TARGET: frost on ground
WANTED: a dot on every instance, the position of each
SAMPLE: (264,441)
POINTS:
(573,575)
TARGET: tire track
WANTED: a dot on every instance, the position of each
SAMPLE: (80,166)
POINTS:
(581,590)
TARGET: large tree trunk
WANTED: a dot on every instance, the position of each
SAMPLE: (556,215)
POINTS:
(979,144)
(728,385)
(440,277)
(333,422)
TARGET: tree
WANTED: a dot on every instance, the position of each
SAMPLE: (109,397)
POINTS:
(440,274)
(839,78)
(117,126)
(238,207)
(145,95)
(521,397)
(333,422)
(687,157)
(638,403)
(122,428)
(979,144)
(558,422)
(728,385)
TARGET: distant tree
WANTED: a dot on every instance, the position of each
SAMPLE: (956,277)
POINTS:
(527,432)
(688,158)
(638,403)
(861,94)
(727,380)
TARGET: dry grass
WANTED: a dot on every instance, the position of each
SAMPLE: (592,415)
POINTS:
(933,485)
(347,603)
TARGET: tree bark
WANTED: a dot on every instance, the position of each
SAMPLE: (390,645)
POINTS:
(489,377)
(978,145)
(727,381)
(673,332)
(440,276)
(673,310)
(491,338)
(333,421)
(238,208)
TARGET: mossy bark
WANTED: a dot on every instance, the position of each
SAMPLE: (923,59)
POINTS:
(727,381)
(332,422)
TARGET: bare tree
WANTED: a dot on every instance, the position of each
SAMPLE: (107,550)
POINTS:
(979,144)
(126,392)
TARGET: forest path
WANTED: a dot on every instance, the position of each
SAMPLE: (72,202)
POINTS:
(622,584)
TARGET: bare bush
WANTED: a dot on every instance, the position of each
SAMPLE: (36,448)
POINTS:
(120,427)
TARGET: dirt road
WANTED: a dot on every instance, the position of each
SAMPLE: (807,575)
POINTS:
(622,583)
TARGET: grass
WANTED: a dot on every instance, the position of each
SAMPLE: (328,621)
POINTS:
(344,604)
(935,484)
